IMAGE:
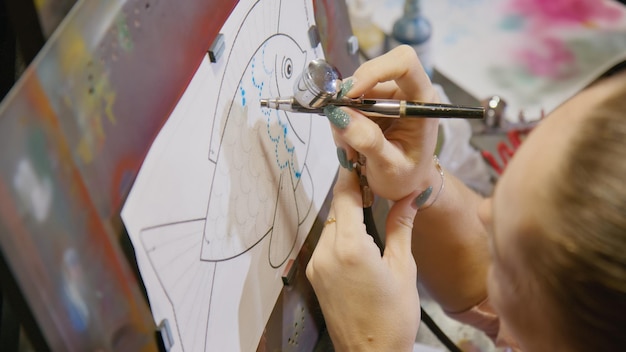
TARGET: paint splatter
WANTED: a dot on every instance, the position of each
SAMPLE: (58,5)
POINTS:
(557,13)
(550,58)
(123,34)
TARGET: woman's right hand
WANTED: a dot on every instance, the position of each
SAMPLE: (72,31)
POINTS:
(369,302)
(398,151)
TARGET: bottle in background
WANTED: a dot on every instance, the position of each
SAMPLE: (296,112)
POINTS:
(371,37)
(415,30)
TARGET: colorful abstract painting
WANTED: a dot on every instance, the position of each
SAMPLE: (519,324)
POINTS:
(535,54)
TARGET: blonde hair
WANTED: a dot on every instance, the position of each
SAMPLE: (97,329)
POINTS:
(580,261)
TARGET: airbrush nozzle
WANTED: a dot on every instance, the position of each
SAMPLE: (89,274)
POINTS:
(276,103)
(287,104)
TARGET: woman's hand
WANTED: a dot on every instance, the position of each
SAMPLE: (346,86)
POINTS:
(398,151)
(369,302)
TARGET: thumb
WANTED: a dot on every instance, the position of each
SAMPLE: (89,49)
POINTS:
(399,227)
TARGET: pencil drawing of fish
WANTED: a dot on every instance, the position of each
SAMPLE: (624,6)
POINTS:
(259,155)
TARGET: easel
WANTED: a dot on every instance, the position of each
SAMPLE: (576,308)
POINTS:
(74,131)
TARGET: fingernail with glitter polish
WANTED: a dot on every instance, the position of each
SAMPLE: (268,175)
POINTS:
(336,116)
(423,197)
(345,87)
(343,159)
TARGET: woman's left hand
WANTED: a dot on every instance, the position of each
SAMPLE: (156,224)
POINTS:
(369,301)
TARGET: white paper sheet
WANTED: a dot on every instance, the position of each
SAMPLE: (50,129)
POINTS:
(534,53)
(229,191)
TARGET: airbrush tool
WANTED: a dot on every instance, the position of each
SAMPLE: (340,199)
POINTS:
(320,85)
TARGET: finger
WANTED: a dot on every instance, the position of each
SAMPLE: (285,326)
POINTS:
(328,229)
(387,90)
(399,228)
(366,137)
(310,271)
(346,155)
(347,205)
(395,143)
(324,246)
(401,65)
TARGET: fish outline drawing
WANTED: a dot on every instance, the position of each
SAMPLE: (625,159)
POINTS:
(260,67)
(260,174)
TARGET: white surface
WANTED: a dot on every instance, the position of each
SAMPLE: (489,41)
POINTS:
(458,156)
(418,347)
(229,191)
(464,336)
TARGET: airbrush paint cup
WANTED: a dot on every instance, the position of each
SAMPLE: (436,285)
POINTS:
(318,83)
